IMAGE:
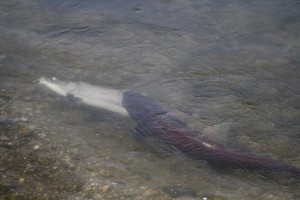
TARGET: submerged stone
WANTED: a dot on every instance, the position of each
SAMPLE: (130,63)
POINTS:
(179,191)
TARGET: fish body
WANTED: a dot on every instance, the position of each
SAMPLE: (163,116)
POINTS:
(155,122)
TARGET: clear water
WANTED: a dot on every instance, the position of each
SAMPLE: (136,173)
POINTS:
(230,68)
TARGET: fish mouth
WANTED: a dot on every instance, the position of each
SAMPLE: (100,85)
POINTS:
(53,84)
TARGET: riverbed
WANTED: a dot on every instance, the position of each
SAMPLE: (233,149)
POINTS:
(230,69)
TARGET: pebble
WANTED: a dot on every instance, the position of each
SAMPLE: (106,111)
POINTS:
(105,188)
(42,135)
(21,180)
(4,138)
(3,56)
(179,191)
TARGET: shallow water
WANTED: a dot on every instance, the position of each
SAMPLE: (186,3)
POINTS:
(229,68)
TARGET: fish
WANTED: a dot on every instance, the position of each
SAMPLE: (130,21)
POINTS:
(156,123)
(91,95)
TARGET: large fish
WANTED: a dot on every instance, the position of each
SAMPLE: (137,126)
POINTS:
(156,123)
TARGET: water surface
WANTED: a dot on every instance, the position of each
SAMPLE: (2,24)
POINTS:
(229,68)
